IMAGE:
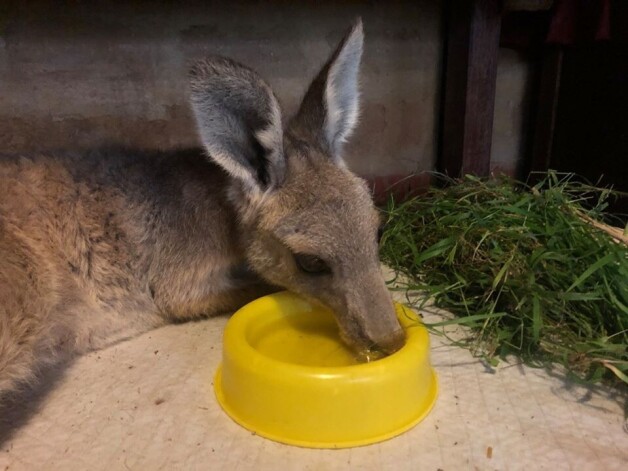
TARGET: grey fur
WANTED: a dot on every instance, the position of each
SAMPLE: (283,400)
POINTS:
(233,105)
(330,108)
(102,246)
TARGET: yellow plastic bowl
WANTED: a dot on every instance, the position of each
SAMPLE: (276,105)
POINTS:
(286,375)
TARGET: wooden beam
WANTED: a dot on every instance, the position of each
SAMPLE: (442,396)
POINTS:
(469,96)
(546,109)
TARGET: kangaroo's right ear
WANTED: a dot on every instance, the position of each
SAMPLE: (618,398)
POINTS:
(239,121)
(329,111)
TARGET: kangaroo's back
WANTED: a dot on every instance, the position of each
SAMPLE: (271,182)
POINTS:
(91,244)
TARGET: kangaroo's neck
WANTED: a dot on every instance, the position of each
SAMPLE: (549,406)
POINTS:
(198,257)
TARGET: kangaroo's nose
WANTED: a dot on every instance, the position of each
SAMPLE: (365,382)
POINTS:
(392,342)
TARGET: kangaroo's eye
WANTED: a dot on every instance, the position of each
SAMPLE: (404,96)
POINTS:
(311,264)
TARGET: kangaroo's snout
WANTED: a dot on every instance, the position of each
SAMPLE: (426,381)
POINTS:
(369,320)
(393,342)
(386,338)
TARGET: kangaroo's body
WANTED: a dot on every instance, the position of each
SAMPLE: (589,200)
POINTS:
(101,246)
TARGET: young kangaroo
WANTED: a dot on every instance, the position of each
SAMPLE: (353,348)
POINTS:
(101,246)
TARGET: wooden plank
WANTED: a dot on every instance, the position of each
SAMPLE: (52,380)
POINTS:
(546,108)
(470,75)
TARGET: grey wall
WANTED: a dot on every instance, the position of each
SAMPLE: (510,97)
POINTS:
(512,96)
(79,74)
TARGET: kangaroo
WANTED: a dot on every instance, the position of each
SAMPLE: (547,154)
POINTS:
(100,246)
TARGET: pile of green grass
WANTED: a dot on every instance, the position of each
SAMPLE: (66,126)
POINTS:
(522,266)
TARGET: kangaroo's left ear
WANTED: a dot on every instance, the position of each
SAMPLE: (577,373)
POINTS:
(330,109)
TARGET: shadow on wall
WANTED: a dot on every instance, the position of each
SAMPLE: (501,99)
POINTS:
(81,74)
(84,74)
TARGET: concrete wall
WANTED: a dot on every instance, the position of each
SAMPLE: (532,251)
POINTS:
(512,96)
(78,74)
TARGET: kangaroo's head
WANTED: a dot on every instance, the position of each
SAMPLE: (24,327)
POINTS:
(309,223)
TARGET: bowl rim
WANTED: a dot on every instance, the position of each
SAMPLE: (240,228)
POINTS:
(413,351)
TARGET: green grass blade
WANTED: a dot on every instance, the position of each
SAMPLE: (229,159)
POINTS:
(620,374)
(467,320)
(608,258)
(536,319)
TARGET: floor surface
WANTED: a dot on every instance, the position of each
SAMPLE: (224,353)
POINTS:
(148,404)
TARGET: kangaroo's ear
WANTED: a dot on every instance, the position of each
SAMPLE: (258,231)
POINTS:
(329,111)
(239,121)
